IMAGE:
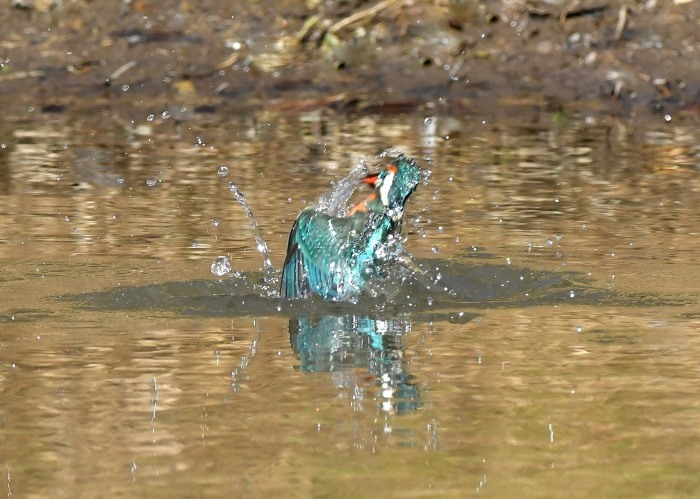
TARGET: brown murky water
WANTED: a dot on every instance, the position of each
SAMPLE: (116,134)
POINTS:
(562,361)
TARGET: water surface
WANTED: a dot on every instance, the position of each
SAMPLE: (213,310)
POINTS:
(558,352)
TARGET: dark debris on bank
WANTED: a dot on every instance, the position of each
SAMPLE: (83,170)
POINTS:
(617,58)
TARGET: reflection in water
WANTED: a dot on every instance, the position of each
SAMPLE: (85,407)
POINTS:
(356,347)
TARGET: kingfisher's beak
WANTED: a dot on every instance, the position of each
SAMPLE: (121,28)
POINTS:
(371,179)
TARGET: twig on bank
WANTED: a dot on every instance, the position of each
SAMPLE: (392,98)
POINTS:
(21,74)
(621,22)
(567,10)
(362,14)
(122,69)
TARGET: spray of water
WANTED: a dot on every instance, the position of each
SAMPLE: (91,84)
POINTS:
(260,243)
(334,202)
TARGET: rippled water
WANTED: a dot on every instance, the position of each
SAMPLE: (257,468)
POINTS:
(556,355)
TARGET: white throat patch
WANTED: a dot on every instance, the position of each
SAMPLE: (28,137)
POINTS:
(385,187)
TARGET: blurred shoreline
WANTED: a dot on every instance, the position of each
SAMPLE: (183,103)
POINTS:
(615,59)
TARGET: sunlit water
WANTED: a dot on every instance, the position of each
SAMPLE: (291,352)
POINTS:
(555,355)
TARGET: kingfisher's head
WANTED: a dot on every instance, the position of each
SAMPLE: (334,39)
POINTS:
(395,184)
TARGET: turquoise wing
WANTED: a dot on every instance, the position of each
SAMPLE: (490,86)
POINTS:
(317,256)
(295,281)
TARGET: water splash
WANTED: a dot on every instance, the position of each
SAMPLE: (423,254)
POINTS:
(334,202)
(270,273)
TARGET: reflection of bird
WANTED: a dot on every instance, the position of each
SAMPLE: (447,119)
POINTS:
(335,257)
(342,344)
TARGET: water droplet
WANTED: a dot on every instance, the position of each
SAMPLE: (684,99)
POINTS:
(215,222)
(428,121)
(559,237)
(556,200)
(151,182)
(579,329)
(453,294)
(508,260)
(221,266)
(165,115)
(223,171)
(458,240)
(196,244)
(199,142)
(150,117)
(440,230)
(612,253)
(125,87)
(435,249)
(667,117)
(572,294)
(550,242)
(430,301)
(120,180)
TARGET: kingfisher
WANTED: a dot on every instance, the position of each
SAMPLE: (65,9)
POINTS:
(336,256)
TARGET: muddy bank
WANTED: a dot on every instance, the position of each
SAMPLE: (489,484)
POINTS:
(594,57)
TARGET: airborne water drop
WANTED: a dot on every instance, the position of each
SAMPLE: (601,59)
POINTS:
(221,266)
